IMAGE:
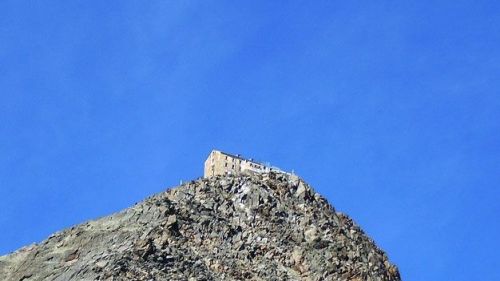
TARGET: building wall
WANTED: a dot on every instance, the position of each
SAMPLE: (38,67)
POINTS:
(253,167)
(220,163)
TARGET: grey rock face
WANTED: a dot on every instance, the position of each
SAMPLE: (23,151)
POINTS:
(259,227)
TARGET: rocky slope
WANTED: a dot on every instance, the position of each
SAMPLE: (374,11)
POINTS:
(260,227)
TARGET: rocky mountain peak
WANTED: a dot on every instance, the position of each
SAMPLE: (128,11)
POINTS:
(246,227)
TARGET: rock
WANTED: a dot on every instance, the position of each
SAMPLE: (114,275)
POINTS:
(311,234)
(247,227)
(171,221)
(301,190)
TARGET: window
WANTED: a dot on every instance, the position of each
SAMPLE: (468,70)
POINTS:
(225,164)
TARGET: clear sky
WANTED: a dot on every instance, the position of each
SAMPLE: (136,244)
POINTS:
(389,109)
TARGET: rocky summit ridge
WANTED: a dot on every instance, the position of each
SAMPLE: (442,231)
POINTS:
(244,227)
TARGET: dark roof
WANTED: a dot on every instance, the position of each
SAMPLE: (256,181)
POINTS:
(238,156)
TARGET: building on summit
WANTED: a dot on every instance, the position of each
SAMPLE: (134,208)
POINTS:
(221,163)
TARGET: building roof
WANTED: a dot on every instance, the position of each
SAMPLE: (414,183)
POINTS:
(239,156)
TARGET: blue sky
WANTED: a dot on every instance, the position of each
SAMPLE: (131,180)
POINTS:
(391,110)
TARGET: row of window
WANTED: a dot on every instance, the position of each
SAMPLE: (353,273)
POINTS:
(238,160)
(256,166)
(233,159)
